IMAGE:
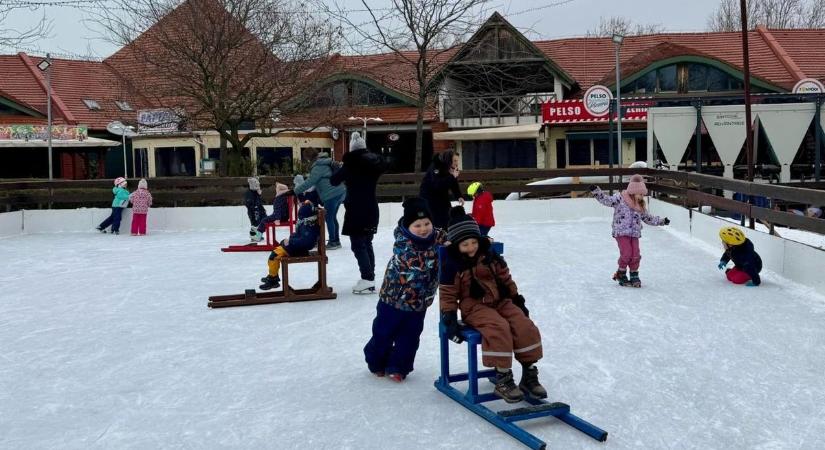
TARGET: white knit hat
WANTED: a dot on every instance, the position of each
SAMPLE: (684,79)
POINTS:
(356,142)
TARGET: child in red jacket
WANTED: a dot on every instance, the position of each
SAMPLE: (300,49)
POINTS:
(482,207)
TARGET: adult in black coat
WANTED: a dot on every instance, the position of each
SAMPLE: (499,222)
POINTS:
(440,180)
(360,172)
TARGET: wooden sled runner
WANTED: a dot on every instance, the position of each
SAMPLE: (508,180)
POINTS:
(319,291)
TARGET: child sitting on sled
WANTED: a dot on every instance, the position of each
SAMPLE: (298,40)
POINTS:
(280,211)
(408,290)
(746,262)
(477,281)
(299,243)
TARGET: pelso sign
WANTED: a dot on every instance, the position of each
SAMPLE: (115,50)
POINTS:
(597,100)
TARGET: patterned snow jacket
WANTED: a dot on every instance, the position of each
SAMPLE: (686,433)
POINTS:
(626,220)
(141,201)
(484,279)
(411,277)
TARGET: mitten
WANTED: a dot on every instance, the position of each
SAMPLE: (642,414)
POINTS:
(666,221)
(450,320)
(722,265)
(593,187)
(518,300)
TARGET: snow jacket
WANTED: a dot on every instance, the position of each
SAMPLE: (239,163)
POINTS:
(626,220)
(254,207)
(280,208)
(746,259)
(435,188)
(483,209)
(319,176)
(306,233)
(141,201)
(360,172)
(484,279)
(411,277)
(121,199)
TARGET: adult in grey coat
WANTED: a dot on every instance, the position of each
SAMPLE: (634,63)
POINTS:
(331,196)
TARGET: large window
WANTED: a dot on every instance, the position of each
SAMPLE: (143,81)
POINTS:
(499,154)
(355,93)
(685,78)
(174,161)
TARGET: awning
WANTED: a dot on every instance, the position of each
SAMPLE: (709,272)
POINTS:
(530,131)
(38,143)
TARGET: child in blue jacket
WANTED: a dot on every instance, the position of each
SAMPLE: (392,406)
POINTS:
(119,203)
(409,287)
(299,243)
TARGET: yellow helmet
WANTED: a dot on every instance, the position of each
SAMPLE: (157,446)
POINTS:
(732,235)
(473,188)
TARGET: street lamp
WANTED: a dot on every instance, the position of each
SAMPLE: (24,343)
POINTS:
(617,39)
(44,66)
(365,119)
(122,130)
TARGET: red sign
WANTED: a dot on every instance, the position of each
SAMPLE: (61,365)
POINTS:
(573,111)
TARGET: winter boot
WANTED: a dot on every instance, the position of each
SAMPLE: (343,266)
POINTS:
(333,245)
(397,377)
(634,280)
(506,388)
(102,230)
(270,283)
(364,287)
(621,277)
(529,383)
(115,232)
(256,237)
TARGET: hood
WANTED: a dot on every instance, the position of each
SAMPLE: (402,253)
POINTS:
(402,234)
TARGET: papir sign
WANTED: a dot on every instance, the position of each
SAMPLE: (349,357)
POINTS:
(597,100)
(808,86)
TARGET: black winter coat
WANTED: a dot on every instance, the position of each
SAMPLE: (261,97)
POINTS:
(360,172)
(745,258)
(435,189)
(254,207)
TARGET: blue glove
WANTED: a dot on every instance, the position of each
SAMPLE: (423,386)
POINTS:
(750,284)
(722,265)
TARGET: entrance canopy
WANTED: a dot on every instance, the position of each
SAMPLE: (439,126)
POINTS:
(530,131)
(74,143)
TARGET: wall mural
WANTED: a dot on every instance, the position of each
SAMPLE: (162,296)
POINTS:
(41,132)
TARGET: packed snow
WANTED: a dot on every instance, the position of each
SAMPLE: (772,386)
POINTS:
(107,342)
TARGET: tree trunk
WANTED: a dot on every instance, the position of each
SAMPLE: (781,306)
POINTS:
(224,156)
(419,134)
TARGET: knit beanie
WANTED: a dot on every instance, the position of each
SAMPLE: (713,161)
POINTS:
(143,184)
(636,185)
(461,227)
(254,184)
(356,142)
(119,181)
(415,208)
(280,188)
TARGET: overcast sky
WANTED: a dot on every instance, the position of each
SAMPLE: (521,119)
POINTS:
(539,19)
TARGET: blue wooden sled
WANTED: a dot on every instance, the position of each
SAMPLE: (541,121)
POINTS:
(504,419)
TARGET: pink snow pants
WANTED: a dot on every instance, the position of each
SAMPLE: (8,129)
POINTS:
(139,224)
(737,276)
(629,256)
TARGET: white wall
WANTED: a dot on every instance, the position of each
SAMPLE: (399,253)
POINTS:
(11,223)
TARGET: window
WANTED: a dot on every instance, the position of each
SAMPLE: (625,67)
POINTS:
(91,104)
(685,78)
(667,78)
(578,152)
(123,105)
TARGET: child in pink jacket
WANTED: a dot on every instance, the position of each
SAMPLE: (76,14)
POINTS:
(141,201)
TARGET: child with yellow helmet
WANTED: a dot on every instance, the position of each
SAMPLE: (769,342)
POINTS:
(746,262)
(482,207)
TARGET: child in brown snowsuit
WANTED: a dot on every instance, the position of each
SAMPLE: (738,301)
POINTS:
(477,281)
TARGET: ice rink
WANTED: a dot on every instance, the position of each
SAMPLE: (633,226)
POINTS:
(106,342)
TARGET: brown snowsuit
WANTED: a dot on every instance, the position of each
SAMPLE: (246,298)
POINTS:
(504,328)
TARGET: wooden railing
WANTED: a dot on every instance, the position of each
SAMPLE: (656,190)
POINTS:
(682,188)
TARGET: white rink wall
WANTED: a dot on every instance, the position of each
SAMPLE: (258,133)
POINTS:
(796,261)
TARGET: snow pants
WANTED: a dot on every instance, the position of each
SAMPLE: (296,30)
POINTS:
(113,220)
(395,337)
(274,261)
(505,331)
(138,224)
(361,246)
(629,256)
(737,276)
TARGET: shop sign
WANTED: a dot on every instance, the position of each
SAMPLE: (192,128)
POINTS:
(597,100)
(808,86)
(575,111)
(152,121)
(41,132)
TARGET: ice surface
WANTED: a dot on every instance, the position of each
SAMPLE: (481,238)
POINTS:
(106,342)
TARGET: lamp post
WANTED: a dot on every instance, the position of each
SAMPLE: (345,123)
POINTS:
(44,66)
(124,131)
(365,120)
(617,39)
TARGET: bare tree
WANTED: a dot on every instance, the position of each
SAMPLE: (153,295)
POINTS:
(621,25)
(781,14)
(222,64)
(418,33)
(10,37)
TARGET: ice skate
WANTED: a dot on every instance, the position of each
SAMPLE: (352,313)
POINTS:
(257,237)
(634,280)
(102,230)
(506,388)
(529,383)
(364,287)
(397,377)
(621,277)
(270,283)
(333,245)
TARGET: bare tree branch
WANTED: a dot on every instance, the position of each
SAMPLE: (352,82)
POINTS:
(621,25)
(782,14)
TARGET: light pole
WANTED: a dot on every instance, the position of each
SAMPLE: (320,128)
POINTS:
(365,119)
(124,131)
(617,39)
(44,66)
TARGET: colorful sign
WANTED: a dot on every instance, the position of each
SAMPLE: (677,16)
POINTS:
(597,100)
(41,132)
(575,111)
(808,86)
(151,121)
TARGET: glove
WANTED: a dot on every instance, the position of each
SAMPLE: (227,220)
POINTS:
(593,188)
(666,221)
(722,265)
(750,284)
(450,320)
(518,300)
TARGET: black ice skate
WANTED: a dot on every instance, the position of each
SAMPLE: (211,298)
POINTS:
(506,388)
(621,277)
(634,280)
(270,283)
(529,383)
